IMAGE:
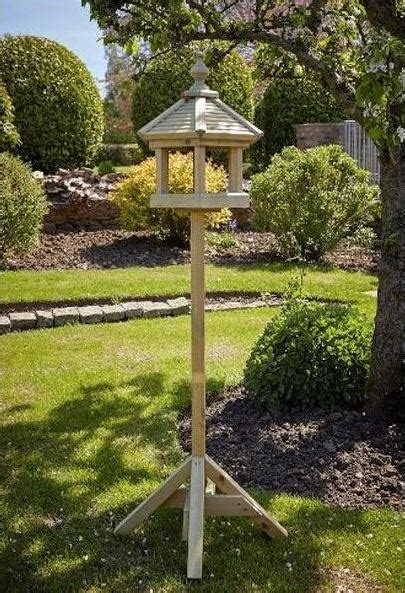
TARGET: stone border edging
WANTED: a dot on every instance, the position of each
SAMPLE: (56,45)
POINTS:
(88,314)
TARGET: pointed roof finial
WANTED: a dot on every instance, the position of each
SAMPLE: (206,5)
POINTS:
(199,71)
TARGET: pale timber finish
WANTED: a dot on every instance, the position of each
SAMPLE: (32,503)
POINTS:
(156,499)
(235,172)
(228,485)
(162,170)
(185,505)
(196,518)
(216,505)
(197,121)
(203,201)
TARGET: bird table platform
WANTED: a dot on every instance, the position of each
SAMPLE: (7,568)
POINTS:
(197,122)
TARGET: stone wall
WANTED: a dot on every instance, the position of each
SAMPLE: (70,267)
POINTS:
(309,135)
(79,200)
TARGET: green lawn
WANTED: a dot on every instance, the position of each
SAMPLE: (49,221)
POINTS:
(118,169)
(88,429)
(138,281)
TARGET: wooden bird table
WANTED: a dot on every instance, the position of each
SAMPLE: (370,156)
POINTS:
(200,486)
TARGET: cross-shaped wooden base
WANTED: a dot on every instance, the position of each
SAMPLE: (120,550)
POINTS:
(199,499)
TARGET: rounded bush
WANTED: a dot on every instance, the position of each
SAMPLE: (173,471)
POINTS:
(311,355)
(312,199)
(58,109)
(133,195)
(22,207)
(9,137)
(166,77)
(307,102)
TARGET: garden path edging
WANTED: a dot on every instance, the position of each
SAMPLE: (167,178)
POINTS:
(90,314)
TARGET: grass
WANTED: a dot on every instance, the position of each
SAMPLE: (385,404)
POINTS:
(88,429)
(118,169)
(53,285)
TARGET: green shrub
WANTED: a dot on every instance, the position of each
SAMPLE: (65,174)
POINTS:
(105,167)
(166,77)
(121,154)
(133,195)
(58,109)
(311,355)
(22,207)
(221,241)
(9,137)
(292,95)
(312,199)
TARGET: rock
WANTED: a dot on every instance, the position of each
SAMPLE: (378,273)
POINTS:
(132,309)
(180,306)
(113,312)
(93,314)
(38,175)
(329,446)
(65,315)
(78,197)
(155,309)
(67,227)
(23,320)
(44,318)
(5,325)
(62,172)
(50,228)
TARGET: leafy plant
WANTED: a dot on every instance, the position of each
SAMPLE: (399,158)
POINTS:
(9,137)
(312,199)
(364,237)
(58,109)
(134,193)
(105,167)
(290,85)
(221,241)
(311,355)
(22,207)
(121,154)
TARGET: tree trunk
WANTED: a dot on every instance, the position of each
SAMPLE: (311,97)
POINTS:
(387,377)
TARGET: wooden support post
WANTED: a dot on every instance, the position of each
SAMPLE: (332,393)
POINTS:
(196,519)
(197,311)
(197,485)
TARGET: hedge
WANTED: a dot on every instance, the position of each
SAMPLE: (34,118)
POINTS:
(58,108)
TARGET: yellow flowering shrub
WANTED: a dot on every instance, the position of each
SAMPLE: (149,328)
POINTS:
(133,195)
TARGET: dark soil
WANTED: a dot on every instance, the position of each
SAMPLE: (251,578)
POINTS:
(342,458)
(119,249)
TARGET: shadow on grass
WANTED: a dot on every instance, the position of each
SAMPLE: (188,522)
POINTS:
(69,477)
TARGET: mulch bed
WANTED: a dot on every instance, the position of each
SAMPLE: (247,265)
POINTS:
(343,458)
(119,249)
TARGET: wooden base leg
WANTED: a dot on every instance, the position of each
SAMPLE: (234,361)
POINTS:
(156,499)
(227,485)
(196,519)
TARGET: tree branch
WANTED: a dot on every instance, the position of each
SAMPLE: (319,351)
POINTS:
(385,13)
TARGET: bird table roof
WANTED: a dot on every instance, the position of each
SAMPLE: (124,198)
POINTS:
(200,114)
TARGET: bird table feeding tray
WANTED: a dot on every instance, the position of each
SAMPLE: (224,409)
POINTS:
(197,122)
